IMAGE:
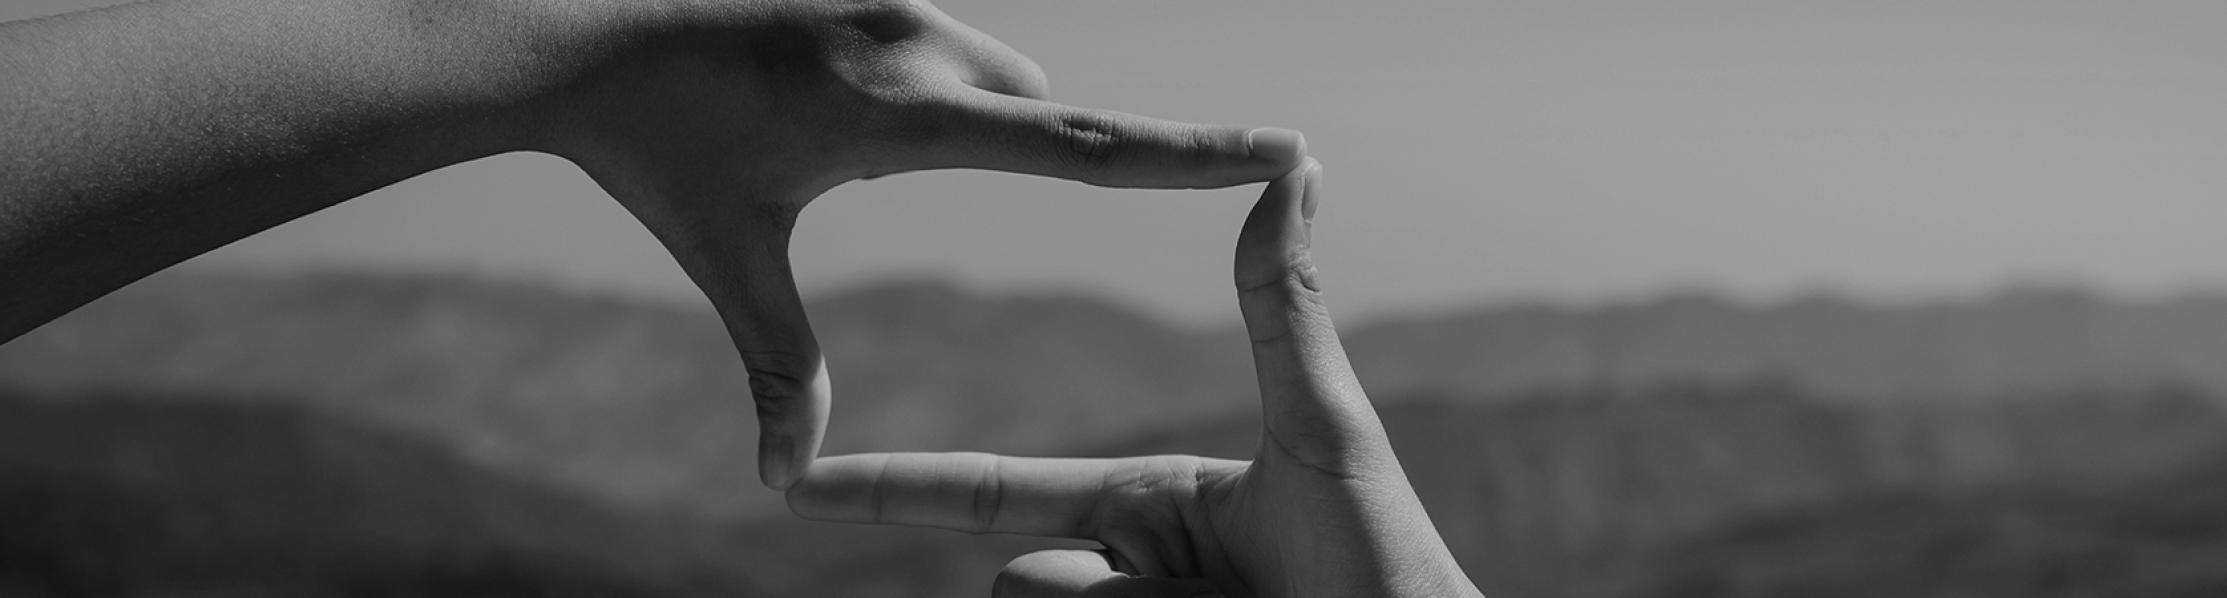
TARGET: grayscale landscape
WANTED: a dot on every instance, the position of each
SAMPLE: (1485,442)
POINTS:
(207,434)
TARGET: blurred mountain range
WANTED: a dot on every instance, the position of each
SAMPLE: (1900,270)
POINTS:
(120,496)
(462,437)
(2016,343)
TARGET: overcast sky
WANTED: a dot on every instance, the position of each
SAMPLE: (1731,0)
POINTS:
(1494,152)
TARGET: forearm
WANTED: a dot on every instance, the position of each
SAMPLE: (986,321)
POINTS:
(139,136)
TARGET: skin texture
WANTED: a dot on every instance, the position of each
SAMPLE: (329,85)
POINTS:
(1323,509)
(139,136)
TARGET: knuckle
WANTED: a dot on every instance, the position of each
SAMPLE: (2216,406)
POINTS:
(1146,495)
(989,496)
(1300,272)
(885,21)
(1297,275)
(1283,302)
(778,379)
(1090,141)
(1314,445)
(1032,76)
(1207,145)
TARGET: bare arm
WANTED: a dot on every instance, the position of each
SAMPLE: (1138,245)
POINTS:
(140,136)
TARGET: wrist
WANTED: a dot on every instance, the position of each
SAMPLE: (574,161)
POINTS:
(582,73)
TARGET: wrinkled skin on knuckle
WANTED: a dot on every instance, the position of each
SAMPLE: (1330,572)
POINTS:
(885,21)
(1153,516)
(1089,141)
(1207,145)
(1300,272)
(1300,303)
(836,79)
(780,382)
(884,50)
(1296,278)
(1147,495)
(1306,441)
(989,496)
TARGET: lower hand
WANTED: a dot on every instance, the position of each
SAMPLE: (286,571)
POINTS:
(1323,509)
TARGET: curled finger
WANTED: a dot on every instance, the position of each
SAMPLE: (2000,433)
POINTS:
(1086,574)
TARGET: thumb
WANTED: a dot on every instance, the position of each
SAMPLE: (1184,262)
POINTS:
(1086,574)
(1314,408)
(745,272)
(731,236)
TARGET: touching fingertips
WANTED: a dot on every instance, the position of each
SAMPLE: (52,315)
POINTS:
(1281,146)
(777,462)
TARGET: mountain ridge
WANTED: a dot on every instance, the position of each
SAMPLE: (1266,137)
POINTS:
(647,403)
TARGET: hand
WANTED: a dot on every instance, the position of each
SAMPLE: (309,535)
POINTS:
(1323,509)
(716,125)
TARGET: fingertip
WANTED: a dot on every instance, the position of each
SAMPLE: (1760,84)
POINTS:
(787,446)
(1276,145)
(777,453)
(1290,195)
(1069,572)
(1311,192)
(1274,231)
(1292,185)
(777,465)
(820,499)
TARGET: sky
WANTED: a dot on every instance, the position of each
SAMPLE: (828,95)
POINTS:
(1490,152)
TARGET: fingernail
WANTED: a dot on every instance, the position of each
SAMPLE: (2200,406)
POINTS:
(1308,197)
(1283,146)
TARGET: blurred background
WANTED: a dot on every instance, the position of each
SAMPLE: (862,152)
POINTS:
(1690,299)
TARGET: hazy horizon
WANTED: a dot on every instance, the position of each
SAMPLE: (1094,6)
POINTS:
(1491,153)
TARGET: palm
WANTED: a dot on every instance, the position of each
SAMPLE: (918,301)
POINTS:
(1185,516)
(1267,508)
(1323,509)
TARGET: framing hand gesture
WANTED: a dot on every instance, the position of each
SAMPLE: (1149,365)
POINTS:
(1323,509)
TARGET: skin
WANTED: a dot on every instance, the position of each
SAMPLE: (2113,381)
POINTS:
(139,136)
(1322,509)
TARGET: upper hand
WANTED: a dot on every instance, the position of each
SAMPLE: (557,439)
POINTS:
(1323,509)
(715,124)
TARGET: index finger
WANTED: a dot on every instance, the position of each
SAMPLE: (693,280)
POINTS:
(975,492)
(982,129)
